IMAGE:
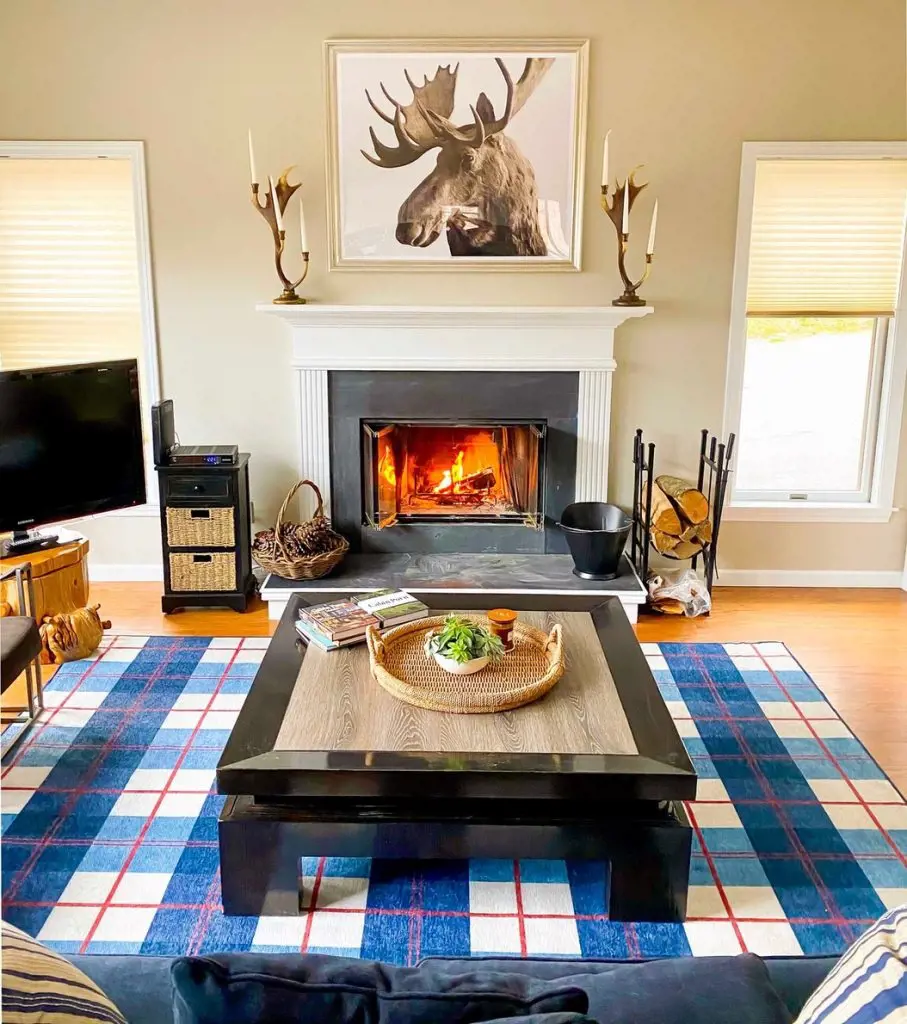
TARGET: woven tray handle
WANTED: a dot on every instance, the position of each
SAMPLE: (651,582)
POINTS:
(554,646)
(283,510)
(375,645)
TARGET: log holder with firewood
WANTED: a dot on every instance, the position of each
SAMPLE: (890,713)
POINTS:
(679,519)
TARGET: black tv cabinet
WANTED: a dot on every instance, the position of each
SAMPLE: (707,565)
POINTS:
(206,536)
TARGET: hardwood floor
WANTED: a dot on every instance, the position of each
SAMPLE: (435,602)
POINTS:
(852,642)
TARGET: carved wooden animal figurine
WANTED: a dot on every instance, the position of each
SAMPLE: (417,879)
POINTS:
(478,168)
(71,635)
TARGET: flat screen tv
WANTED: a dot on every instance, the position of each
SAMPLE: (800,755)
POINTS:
(70,443)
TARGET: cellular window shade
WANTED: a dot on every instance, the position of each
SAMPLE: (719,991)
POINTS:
(69,286)
(827,237)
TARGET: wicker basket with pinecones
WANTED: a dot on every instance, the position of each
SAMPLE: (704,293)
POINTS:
(300,551)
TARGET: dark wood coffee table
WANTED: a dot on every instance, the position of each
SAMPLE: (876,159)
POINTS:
(323,761)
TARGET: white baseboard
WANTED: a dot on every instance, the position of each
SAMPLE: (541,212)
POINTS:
(845,578)
(99,572)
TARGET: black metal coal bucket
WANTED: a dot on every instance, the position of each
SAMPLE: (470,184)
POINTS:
(597,534)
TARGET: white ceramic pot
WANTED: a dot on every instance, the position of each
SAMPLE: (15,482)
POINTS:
(460,668)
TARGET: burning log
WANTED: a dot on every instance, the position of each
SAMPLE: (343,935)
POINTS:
(482,480)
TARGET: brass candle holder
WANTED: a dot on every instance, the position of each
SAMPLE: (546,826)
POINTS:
(284,192)
(615,210)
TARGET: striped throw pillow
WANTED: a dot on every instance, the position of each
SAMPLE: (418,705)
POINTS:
(869,982)
(41,987)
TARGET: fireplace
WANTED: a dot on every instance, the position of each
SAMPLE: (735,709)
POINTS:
(484,367)
(448,462)
(435,471)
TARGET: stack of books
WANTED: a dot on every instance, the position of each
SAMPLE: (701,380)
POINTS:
(342,623)
(391,607)
(338,624)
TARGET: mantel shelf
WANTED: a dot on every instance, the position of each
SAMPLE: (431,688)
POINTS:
(314,314)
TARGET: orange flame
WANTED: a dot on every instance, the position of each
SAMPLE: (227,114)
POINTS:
(386,466)
(452,477)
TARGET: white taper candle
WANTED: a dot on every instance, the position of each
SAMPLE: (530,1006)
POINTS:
(252,170)
(605,161)
(650,248)
(303,244)
(276,202)
(625,220)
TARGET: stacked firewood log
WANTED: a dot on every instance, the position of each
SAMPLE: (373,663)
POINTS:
(679,524)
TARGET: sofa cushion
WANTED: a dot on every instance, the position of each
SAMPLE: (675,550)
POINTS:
(795,978)
(870,981)
(252,988)
(685,990)
(544,1018)
(139,985)
(40,986)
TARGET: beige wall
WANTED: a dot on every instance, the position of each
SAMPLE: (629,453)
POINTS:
(681,82)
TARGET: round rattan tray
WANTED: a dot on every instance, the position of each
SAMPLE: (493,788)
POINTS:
(399,664)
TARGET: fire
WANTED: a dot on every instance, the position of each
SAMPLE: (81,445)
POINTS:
(386,466)
(453,477)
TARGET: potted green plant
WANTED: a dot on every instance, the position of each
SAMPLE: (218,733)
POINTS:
(462,646)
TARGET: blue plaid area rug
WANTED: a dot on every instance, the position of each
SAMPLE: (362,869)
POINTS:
(110,826)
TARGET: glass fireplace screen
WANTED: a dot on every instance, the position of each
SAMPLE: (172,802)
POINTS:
(459,472)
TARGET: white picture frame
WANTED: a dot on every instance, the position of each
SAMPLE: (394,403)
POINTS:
(456,154)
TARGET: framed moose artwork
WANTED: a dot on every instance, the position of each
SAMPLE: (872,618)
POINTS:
(456,153)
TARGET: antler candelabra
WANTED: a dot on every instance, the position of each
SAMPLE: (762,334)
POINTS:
(618,208)
(272,209)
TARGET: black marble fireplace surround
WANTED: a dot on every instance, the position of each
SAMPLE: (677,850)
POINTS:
(355,396)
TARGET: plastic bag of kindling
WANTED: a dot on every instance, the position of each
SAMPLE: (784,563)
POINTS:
(678,592)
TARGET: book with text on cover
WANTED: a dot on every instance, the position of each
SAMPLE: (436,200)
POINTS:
(313,636)
(338,620)
(392,607)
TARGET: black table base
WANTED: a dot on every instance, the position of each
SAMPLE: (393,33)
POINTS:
(647,845)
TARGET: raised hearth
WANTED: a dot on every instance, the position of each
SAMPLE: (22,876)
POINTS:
(458,576)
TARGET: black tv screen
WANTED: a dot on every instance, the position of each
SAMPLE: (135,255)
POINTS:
(70,442)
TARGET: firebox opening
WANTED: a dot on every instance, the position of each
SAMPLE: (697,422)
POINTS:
(462,472)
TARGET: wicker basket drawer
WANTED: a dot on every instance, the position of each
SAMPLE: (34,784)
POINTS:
(200,527)
(202,571)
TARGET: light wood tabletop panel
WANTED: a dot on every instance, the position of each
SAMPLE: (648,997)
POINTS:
(336,705)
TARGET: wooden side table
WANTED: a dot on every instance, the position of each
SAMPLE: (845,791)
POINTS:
(60,576)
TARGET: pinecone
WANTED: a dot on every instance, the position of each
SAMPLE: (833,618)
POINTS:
(315,536)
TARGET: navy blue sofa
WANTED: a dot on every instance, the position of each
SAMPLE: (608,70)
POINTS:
(688,990)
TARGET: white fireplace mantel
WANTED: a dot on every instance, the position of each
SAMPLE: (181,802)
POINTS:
(577,339)
(453,337)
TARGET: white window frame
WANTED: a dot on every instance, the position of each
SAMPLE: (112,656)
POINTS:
(889,367)
(149,363)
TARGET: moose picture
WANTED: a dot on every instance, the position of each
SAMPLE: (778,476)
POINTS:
(456,156)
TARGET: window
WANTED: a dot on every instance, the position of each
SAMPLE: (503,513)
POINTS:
(75,267)
(818,354)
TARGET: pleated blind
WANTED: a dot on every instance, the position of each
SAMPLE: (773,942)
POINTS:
(69,285)
(827,237)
